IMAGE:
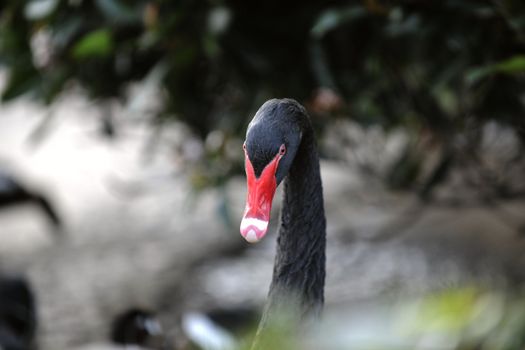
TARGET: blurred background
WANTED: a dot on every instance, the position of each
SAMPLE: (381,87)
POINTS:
(122,185)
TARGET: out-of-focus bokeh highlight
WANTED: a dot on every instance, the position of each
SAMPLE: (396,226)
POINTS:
(122,185)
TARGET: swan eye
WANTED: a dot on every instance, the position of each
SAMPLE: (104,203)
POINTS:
(282,150)
(244,146)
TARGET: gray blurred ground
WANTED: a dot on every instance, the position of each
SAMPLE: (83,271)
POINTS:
(136,235)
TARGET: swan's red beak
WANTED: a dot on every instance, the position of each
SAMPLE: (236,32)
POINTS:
(261,190)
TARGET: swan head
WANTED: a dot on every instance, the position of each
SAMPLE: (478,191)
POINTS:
(272,140)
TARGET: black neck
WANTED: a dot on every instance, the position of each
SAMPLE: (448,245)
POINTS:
(299,270)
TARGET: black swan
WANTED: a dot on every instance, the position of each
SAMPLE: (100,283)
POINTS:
(18,314)
(280,145)
(139,328)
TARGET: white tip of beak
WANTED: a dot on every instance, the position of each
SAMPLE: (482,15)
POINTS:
(251,236)
(253,229)
(259,224)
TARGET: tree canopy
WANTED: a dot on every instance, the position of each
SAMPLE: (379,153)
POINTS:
(442,67)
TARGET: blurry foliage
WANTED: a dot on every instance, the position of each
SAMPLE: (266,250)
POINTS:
(438,67)
(465,318)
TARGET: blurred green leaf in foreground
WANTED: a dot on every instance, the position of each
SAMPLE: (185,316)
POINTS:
(454,319)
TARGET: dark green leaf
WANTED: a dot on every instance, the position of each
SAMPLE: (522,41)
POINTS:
(20,81)
(511,66)
(333,18)
(475,74)
(95,44)
(52,84)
